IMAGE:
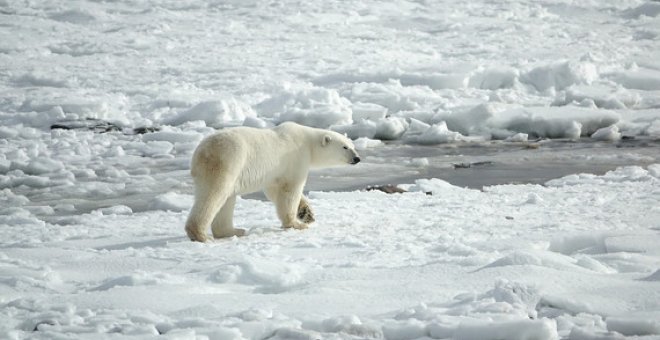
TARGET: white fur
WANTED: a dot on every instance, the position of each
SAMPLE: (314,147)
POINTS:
(242,160)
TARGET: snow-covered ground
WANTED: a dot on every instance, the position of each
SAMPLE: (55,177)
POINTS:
(474,92)
(576,258)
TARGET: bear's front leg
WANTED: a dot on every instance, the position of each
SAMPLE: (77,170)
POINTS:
(287,199)
(305,212)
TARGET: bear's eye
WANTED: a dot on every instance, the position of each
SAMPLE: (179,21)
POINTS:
(345,147)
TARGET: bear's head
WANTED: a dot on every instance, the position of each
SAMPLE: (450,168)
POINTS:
(334,149)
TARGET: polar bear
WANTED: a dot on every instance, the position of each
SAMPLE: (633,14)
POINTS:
(243,160)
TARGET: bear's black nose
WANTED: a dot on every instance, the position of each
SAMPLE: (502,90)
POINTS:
(356,160)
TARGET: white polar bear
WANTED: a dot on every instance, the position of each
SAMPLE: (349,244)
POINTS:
(242,160)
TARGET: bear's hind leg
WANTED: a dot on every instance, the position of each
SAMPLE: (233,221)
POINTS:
(223,223)
(208,201)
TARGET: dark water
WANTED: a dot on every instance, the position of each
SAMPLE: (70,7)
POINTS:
(473,165)
(476,165)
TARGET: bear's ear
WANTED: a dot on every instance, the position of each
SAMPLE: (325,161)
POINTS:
(326,140)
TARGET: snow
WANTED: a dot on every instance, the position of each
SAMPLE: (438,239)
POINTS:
(634,325)
(422,133)
(522,330)
(518,137)
(364,143)
(390,128)
(171,201)
(641,79)
(610,133)
(559,76)
(216,113)
(557,102)
(649,9)
(443,63)
(311,106)
(524,272)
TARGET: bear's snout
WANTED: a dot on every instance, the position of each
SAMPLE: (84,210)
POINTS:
(356,160)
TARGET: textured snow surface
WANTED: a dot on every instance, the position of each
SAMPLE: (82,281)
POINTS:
(91,224)
(488,69)
(577,258)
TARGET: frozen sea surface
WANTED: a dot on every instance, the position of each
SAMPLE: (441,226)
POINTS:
(421,72)
(575,258)
(534,126)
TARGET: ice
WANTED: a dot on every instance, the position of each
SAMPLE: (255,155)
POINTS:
(270,277)
(518,137)
(74,16)
(43,111)
(364,129)
(255,122)
(435,134)
(7,132)
(139,279)
(368,111)
(632,173)
(517,295)
(390,128)
(392,95)
(432,185)
(171,201)
(602,96)
(411,329)
(350,324)
(364,143)
(173,136)
(638,325)
(653,277)
(437,80)
(459,103)
(5,165)
(11,199)
(421,133)
(494,78)
(610,133)
(420,162)
(653,129)
(544,259)
(215,113)
(500,122)
(117,210)
(309,105)
(578,333)
(294,334)
(591,243)
(654,170)
(39,79)
(42,165)
(640,79)
(156,148)
(17,178)
(555,122)
(560,75)
(649,9)
(524,330)
(278,264)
